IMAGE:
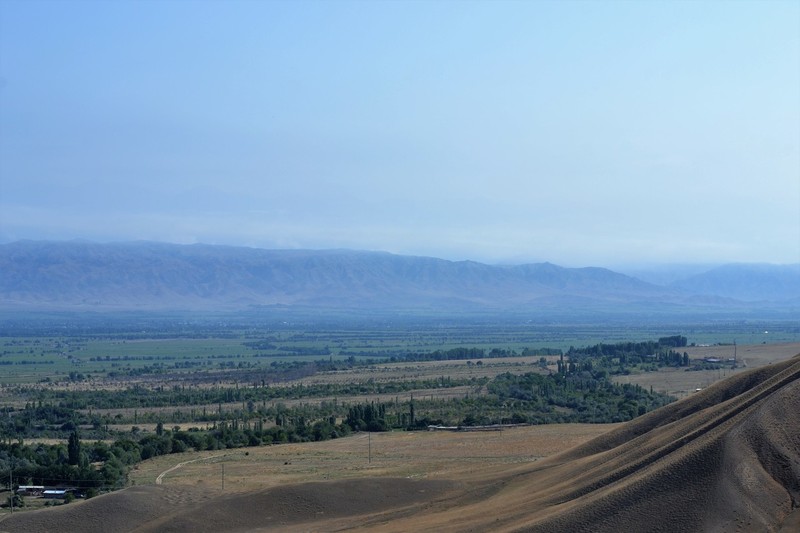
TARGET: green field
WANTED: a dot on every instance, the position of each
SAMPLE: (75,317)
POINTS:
(89,350)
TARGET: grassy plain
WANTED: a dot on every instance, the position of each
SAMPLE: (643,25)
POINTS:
(130,349)
(429,454)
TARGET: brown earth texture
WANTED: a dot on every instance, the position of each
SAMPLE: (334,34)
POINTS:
(725,459)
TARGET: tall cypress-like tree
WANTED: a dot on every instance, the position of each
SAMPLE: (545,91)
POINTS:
(74,448)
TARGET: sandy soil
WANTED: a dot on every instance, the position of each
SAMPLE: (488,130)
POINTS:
(724,459)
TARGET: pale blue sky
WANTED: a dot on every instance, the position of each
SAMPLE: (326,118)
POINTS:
(582,133)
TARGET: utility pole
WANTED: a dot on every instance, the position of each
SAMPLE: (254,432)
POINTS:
(369,447)
(11,483)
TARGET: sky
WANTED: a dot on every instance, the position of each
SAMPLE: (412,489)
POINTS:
(581,132)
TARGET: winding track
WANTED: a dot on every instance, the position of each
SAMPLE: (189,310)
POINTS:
(160,478)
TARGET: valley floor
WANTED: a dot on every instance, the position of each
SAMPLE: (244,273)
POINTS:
(725,459)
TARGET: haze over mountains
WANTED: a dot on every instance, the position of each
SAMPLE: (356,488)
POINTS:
(37,275)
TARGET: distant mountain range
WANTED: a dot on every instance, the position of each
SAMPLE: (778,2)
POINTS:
(38,275)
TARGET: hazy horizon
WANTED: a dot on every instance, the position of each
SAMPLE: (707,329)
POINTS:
(582,134)
(650,270)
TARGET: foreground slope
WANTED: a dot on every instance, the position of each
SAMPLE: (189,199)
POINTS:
(725,459)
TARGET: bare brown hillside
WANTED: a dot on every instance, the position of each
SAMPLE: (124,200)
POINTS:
(724,459)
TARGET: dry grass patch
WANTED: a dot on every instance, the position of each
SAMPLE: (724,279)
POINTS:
(418,454)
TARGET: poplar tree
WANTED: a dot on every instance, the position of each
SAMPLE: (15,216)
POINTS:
(74,448)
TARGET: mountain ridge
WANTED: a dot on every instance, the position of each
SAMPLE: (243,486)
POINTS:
(153,275)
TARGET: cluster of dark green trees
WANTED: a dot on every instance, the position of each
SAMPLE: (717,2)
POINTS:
(367,417)
(462,353)
(72,464)
(533,398)
(578,396)
(46,420)
(622,357)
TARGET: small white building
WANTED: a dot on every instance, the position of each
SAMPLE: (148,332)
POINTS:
(30,490)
